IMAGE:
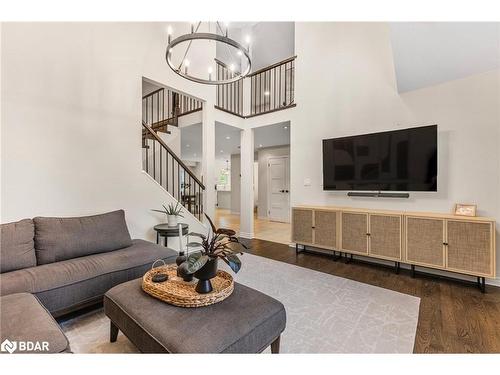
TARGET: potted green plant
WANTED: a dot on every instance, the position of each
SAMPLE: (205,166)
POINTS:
(173,213)
(219,243)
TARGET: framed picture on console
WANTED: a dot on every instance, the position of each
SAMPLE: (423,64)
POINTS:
(465,209)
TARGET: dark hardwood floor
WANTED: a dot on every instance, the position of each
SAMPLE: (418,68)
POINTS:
(454,317)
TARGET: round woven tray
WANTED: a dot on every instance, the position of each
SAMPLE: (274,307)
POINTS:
(177,292)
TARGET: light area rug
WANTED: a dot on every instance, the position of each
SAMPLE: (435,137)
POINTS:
(325,313)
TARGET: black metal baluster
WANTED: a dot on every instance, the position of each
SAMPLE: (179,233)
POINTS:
(161,167)
(179,194)
(280,103)
(147,153)
(254,86)
(286,79)
(268,89)
(154,159)
(190,194)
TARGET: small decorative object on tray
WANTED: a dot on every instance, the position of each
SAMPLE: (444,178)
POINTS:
(465,209)
(159,277)
(176,291)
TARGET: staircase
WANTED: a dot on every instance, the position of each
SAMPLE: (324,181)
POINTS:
(161,110)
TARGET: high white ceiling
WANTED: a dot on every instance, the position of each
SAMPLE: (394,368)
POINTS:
(429,53)
(227,139)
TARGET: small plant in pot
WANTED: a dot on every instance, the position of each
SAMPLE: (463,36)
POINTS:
(219,243)
(173,213)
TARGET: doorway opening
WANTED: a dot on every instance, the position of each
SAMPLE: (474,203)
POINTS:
(271,181)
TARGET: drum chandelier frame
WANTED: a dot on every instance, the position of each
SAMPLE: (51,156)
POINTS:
(195,35)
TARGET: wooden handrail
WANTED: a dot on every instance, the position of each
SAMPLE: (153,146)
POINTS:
(152,93)
(172,154)
(265,69)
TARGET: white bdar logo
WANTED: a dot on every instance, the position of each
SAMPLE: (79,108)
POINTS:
(8,346)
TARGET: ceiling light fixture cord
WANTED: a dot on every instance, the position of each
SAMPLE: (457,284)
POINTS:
(226,46)
(188,47)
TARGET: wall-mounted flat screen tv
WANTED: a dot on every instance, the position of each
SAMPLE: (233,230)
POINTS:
(399,160)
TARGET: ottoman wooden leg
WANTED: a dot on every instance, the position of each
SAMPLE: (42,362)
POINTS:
(113,332)
(275,346)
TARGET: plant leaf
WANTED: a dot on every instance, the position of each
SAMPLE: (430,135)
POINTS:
(202,236)
(232,261)
(195,261)
(194,244)
(228,232)
(163,212)
(211,223)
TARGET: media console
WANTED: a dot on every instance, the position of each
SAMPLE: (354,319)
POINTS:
(446,242)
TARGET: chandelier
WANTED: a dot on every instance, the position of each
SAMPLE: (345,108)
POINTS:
(237,53)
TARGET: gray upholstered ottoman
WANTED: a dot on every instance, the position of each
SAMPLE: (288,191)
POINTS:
(29,327)
(248,321)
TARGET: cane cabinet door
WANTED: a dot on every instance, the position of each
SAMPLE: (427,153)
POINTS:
(425,241)
(386,236)
(470,247)
(302,225)
(325,228)
(354,232)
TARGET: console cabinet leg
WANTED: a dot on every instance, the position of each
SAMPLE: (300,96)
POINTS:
(481,283)
(348,259)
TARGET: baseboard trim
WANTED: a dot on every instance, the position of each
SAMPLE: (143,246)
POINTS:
(246,235)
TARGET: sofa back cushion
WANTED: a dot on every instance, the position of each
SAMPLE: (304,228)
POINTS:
(16,245)
(59,239)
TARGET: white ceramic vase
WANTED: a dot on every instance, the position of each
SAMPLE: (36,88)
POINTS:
(172,220)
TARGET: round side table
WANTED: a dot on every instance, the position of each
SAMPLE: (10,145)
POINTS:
(163,230)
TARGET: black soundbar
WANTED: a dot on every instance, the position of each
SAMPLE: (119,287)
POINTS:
(378,195)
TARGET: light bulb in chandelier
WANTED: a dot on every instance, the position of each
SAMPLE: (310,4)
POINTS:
(210,73)
(186,65)
(193,23)
(170,31)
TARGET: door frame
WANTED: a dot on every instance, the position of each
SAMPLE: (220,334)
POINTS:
(268,183)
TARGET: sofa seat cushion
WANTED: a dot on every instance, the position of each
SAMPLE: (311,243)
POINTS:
(24,319)
(58,239)
(17,248)
(56,275)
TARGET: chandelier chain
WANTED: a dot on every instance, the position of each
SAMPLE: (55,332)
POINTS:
(188,47)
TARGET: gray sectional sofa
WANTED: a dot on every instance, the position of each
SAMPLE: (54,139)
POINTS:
(69,263)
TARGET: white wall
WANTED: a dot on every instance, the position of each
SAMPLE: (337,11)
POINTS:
(235,183)
(263,157)
(271,42)
(358,94)
(71,115)
(255,184)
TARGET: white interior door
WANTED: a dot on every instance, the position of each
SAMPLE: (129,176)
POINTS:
(278,188)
